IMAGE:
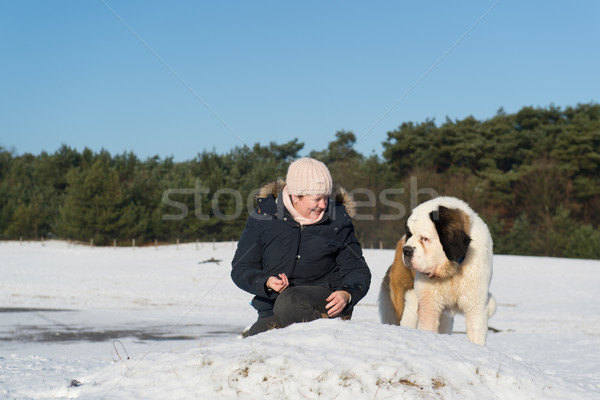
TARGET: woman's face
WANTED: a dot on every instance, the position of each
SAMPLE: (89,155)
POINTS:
(310,206)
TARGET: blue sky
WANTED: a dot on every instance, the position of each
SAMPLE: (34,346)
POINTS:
(179,77)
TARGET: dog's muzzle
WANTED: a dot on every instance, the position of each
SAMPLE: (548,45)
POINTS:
(407,254)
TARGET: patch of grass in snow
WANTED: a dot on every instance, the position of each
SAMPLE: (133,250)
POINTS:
(350,379)
(436,383)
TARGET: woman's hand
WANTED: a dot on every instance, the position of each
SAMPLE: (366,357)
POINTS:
(337,301)
(278,284)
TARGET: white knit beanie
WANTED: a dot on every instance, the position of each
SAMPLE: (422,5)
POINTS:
(309,177)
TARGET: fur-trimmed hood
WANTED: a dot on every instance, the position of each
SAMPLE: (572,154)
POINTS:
(339,194)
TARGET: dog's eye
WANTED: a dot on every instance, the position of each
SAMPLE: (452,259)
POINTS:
(424,239)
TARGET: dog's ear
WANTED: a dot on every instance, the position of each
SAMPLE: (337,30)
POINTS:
(452,225)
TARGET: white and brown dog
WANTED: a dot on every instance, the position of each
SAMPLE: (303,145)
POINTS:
(443,265)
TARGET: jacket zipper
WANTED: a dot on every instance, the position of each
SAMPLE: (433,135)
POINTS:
(300,229)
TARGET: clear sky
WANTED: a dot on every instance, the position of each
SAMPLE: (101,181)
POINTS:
(174,78)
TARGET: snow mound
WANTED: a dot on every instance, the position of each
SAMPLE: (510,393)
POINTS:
(329,359)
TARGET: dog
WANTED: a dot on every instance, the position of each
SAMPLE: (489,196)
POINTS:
(442,266)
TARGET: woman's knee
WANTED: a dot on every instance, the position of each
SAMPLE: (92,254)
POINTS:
(288,300)
(302,299)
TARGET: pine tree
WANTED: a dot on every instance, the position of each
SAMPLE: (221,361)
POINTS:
(93,205)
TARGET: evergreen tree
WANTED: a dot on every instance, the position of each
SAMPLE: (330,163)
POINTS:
(93,202)
(519,239)
(583,243)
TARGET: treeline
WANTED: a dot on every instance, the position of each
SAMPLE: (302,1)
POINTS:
(533,176)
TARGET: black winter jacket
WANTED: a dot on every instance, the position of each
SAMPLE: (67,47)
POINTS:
(326,253)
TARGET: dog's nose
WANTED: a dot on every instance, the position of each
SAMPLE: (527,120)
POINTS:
(408,251)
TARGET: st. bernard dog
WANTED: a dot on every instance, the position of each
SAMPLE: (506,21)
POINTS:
(443,265)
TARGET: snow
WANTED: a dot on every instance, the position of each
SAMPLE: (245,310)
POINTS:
(164,323)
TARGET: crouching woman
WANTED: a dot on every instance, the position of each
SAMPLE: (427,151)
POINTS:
(298,254)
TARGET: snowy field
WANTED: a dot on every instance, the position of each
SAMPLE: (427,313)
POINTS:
(165,323)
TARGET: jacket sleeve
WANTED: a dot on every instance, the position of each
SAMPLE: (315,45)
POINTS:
(246,266)
(354,271)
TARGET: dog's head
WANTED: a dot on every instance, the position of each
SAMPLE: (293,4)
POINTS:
(436,241)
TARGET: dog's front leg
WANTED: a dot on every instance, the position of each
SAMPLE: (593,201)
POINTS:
(477,325)
(429,316)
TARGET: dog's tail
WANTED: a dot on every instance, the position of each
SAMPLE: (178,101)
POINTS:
(387,313)
(491,305)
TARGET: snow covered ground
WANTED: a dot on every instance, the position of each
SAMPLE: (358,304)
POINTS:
(165,323)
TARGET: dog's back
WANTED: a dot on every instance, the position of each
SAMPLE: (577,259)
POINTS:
(387,312)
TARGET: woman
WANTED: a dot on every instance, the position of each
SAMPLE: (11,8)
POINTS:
(298,254)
